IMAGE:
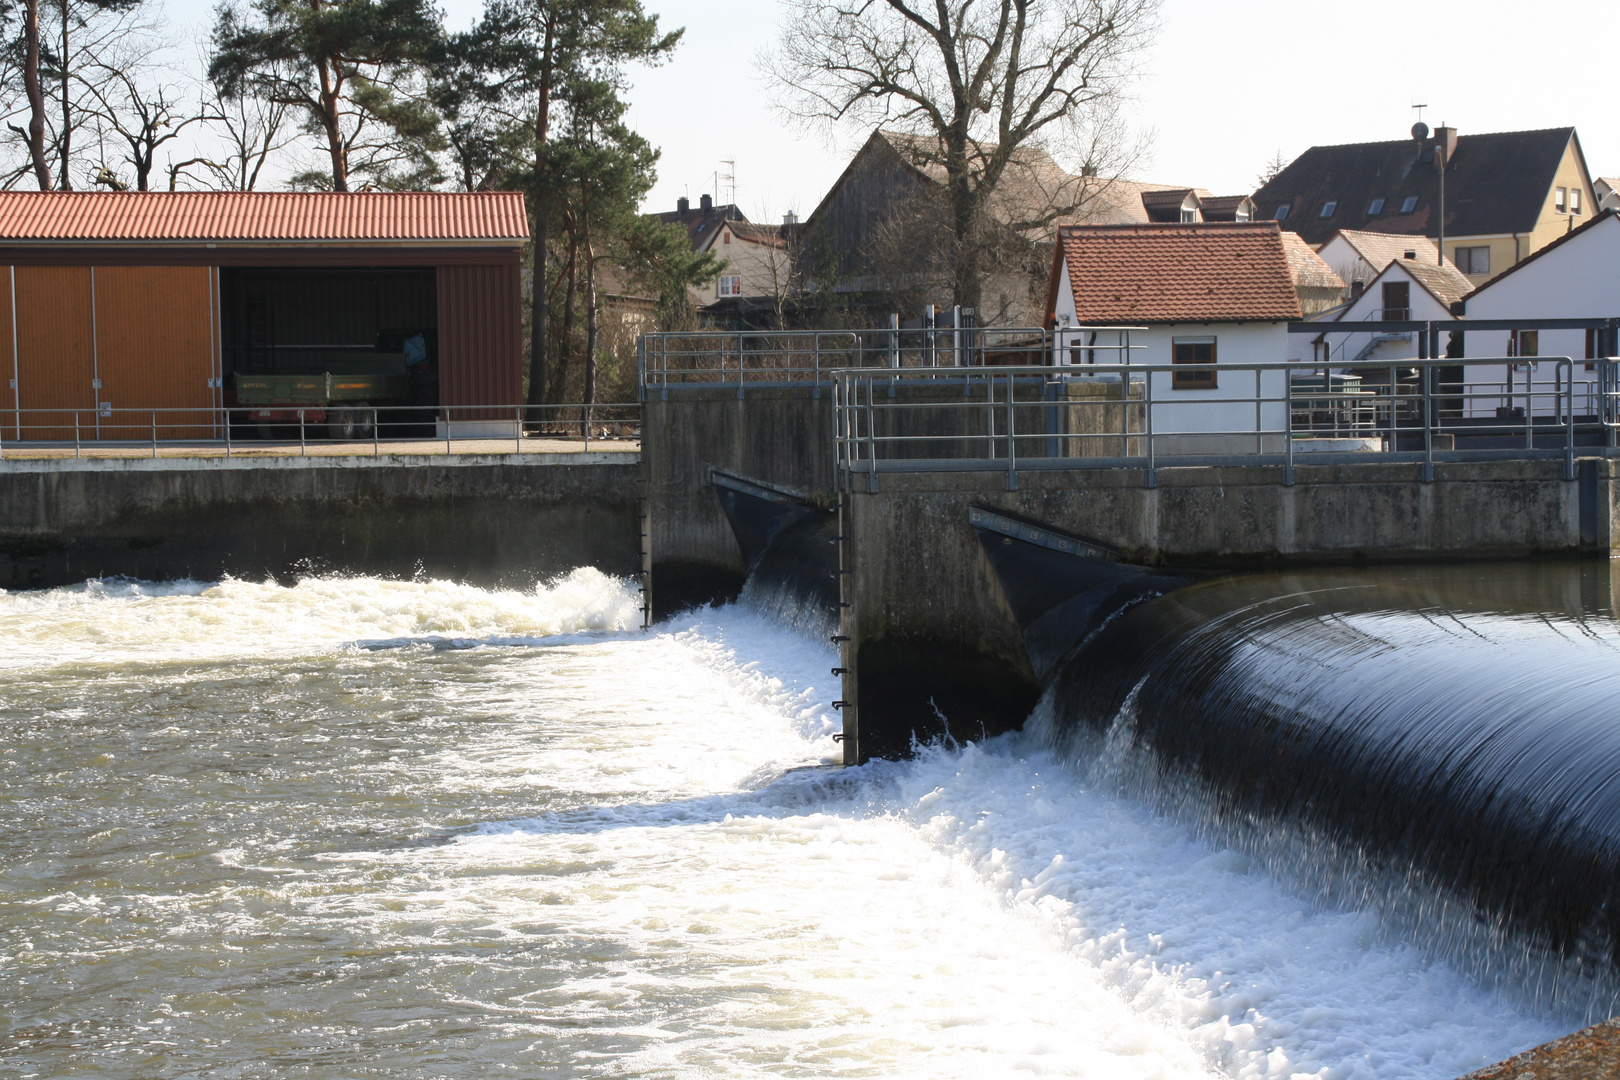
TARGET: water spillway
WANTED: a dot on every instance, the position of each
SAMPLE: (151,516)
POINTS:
(787,547)
(1441,744)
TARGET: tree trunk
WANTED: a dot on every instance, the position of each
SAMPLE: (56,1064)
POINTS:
(331,86)
(65,148)
(590,322)
(565,345)
(36,96)
(540,299)
(539,313)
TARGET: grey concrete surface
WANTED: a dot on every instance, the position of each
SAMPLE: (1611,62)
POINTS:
(507,520)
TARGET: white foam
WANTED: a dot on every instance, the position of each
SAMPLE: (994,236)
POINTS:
(709,897)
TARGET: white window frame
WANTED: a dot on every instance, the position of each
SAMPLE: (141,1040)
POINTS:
(1560,200)
(730,285)
(1575,201)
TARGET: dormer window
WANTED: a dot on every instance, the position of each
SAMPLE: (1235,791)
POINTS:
(1328,208)
(1282,213)
(1242,213)
(1409,204)
(1375,208)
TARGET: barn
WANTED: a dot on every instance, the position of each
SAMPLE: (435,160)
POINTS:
(124,310)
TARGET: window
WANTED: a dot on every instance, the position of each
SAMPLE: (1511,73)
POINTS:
(1560,199)
(727,236)
(1397,301)
(1472,260)
(1282,213)
(1527,343)
(1242,213)
(1188,215)
(1328,208)
(731,285)
(1376,208)
(1199,350)
(1575,200)
(1409,204)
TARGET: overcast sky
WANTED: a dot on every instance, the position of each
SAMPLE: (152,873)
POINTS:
(1227,86)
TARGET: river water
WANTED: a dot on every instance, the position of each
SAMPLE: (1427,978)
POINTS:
(366,828)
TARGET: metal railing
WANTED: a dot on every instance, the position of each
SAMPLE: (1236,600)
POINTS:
(107,432)
(749,359)
(1106,416)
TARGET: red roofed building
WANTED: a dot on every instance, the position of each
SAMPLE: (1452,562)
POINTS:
(1214,293)
(159,300)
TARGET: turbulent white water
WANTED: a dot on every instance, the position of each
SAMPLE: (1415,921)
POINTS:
(370,828)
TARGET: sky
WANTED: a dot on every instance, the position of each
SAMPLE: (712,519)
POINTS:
(1225,88)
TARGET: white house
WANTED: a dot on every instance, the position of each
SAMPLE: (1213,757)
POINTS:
(1576,277)
(1201,293)
(1357,255)
(1606,189)
(1406,290)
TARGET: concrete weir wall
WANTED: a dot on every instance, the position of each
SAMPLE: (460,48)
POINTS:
(927,624)
(780,436)
(494,520)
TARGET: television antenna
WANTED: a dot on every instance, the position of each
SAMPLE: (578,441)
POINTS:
(726,179)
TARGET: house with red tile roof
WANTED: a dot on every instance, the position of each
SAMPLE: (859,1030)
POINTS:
(1194,294)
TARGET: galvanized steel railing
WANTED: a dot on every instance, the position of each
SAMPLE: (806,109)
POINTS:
(753,360)
(310,431)
(1153,416)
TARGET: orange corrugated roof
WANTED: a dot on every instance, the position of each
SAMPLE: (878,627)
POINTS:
(262,216)
(1212,272)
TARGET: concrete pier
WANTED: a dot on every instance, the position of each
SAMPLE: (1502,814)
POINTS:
(496,519)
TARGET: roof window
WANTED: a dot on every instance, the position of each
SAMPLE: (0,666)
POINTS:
(1409,205)
(1282,213)
(1375,208)
(1328,208)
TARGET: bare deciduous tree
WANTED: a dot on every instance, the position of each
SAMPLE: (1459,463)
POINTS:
(978,83)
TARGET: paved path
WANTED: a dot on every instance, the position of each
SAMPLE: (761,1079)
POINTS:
(316,448)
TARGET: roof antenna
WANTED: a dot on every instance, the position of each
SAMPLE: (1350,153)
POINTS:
(1420,130)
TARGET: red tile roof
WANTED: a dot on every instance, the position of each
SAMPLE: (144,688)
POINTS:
(1211,272)
(260,217)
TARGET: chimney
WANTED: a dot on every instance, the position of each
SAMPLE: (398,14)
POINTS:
(706,203)
(1446,138)
(790,218)
(683,206)
(1357,287)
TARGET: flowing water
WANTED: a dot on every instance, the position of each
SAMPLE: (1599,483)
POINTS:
(364,828)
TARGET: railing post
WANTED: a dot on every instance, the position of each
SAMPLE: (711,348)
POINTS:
(587,427)
(154,434)
(871,441)
(303,445)
(1012,437)
(1288,423)
(1569,423)
(227,413)
(1394,398)
(1427,371)
(517,428)
(75,433)
(1147,408)
(376,434)
(739,365)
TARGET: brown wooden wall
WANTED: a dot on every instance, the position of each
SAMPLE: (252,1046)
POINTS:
(55,362)
(146,332)
(155,350)
(480,339)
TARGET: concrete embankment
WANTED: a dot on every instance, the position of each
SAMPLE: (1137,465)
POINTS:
(504,520)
